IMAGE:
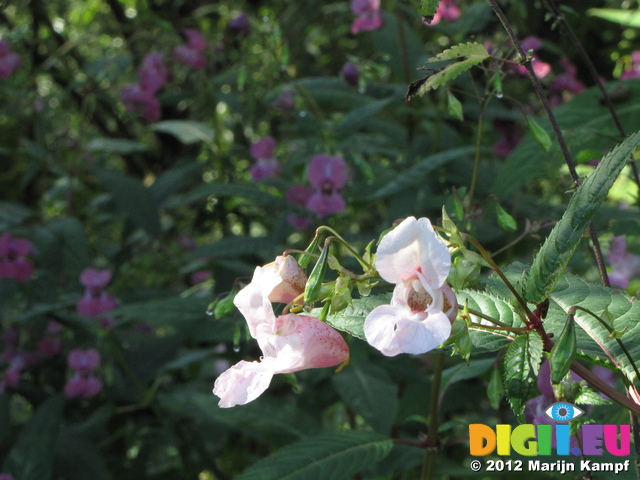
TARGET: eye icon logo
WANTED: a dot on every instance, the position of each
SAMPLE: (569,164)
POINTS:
(563,412)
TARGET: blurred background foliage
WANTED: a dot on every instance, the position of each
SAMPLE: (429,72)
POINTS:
(91,184)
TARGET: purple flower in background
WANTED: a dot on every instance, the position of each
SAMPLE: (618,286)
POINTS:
(634,70)
(368,14)
(285,101)
(6,476)
(351,74)
(96,301)
(299,195)
(13,261)
(51,344)
(153,74)
(191,54)
(80,387)
(240,24)
(83,362)
(327,175)
(266,165)
(447,10)
(9,61)
(624,265)
(140,101)
(565,83)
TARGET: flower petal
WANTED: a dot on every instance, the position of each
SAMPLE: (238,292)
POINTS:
(242,383)
(253,300)
(412,247)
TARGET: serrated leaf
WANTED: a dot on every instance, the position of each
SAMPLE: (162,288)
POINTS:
(332,456)
(563,352)
(465,56)
(563,240)
(186,131)
(351,319)
(428,9)
(369,391)
(521,365)
(31,457)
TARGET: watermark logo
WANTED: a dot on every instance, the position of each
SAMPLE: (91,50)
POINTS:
(543,440)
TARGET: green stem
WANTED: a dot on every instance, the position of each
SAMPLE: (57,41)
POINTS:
(488,318)
(344,242)
(431,450)
(476,159)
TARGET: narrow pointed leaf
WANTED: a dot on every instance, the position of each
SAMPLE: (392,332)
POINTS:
(314,284)
(333,456)
(539,134)
(553,257)
(563,352)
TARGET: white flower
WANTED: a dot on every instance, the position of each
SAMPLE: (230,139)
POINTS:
(422,306)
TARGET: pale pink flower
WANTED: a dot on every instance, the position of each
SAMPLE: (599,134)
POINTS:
(368,14)
(289,343)
(413,257)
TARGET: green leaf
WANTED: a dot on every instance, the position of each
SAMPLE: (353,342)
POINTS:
(314,284)
(563,240)
(120,146)
(165,311)
(133,199)
(359,117)
(539,134)
(332,456)
(428,9)
(369,391)
(464,56)
(628,18)
(563,352)
(232,247)
(186,131)
(462,371)
(415,174)
(506,221)
(31,457)
(351,319)
(62,243)
(495,389)
(521,364)
(454,107)
(76,457)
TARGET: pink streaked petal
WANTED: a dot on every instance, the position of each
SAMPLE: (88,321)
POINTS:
(253,300)
(411,247)
(242,383)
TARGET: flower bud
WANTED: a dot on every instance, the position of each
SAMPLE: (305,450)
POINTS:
(293,280)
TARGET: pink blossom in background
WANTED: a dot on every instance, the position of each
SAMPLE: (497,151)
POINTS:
(510,138)
(368,14)
(447,10)
(9,61)
(351,74)
(81,387)
(327,175)
(634,70)
(566,84)
(266,166)
(140,101)
(418,319)
(299,195)
(240,24)
(195,40)
(95,301)
(13,258)
(289,343)
(6,476)
(541,69)
(284,101)
(83,361)
(199,277)
(190,57)
(153,74)
(625,266)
